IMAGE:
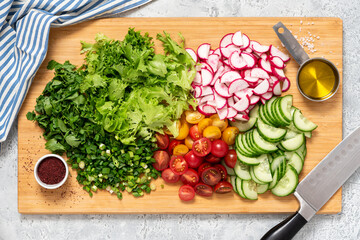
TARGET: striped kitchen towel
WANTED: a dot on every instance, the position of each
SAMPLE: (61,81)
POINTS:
(24,33)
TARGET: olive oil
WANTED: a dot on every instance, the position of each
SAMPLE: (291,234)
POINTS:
(317,79)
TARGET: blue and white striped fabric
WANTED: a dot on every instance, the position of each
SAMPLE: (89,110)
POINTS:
(24,32)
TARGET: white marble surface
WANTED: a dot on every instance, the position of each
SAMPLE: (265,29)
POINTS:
(345,225)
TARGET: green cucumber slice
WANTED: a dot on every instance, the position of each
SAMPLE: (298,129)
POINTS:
(229,171)
(242,171)
(269,112)
(233,183)
(244,126)
(262,115)
(290,134)
(302,151)
(276,163)
(249,189)
(270,133)
(285,107)
(262,171)
(254,113)
(294,143)
(308,134)
(262,188)
(275,180)
(287,184)
(296,162)
(253,177)
(239,190)
(262,144)
(247,160)
(302,123)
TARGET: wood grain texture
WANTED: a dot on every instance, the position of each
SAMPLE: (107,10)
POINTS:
(64,44)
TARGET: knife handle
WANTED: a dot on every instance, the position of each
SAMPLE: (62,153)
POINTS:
(287,229)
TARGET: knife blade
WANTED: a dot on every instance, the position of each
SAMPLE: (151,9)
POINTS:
(319,185)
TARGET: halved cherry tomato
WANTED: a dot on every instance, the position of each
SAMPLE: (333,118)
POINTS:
(173,143)
(223,187)
(203,190)
(204,123)
(183,131)
(178,165)
(194,133)
(189,142)
(211,176)
(202,167)
(190,177)
(229,135)
(202,147)
(193,160)
(162,140)
(222,171)
(180,150)
(161,160)
(186,193)
(169,176)
(219,148)
(222,124)
(231,158)
(212,159)
(193,117)
(212,132)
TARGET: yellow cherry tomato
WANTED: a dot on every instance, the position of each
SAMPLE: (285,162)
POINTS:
(189,142)
(183,131)
(212,132)
(193,117)
(222,124)
(229,135)
(204,123)
(180,150)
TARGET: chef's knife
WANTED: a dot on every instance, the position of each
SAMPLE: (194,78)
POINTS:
(319,185)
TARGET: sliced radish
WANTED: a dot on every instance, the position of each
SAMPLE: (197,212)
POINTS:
(242,117)
(242,104)
(212,103)
(267,95)
(206,91)
(254,99)
(262,88)
(203,51)
(197,91)
(205,65)
(192,53)
(217,51)
(251,79)
(279,73)
(228,50)
(264,56)
(220,64)
(206,99)
(218,73)
(249,59)
(229,77)
(259,73)
(223,112)
(251,107)
(262,100)
(231,112)
(213,61)
(197,79)
(221,89)
(248,50)
(206,109)
(206,76)
(286,84)
(247,73)
(257,47)
(226,40)
(237,85)
(220,101)
(265,64)
(246,42)
(230,101)
(277,88)
(237,62)
(237,39)
(277,53)
(272,80)
(277,62)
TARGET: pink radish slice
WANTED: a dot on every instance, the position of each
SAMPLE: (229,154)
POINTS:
(257,47)
(286,84)
(226,62)
(218,73)
(237,85)
(197,79)
(279,73)
(206,91)
(264,56)
(248,50)
(211,51)
(230,101)
(247,73)
(219,101)
(205,65)
(228,50)
(230,76)
(254,99)
(231,112)
(251,106)
(206,109)
(272,80)
(237,39)
(249,59)
(220,64)
(236,61)
(242,117)
(262,100)
(243,93)
(277,88)
(222,113)
(264,64)
(242,104)
(206,99)
(267,95)
(203,51)
(246,42)
(197,91)
(277,62)
(251,79)
(213,61)
(236,99)
(226,40)
(221,89)
(192,53)
(262,88)
(259,73)
(217,51)
(206,76)
(212,103)
(277,53)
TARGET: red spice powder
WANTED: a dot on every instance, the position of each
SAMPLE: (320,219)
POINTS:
(51,170)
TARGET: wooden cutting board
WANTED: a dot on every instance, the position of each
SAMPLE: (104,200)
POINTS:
(64,44)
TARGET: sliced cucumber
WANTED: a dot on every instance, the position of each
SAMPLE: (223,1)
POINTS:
(244,126)
(302,123)
(288,155)
(287,183)
(294,143)
(262,115)
(262,144)
(261,188)
(233,183)
(270,133)
(238,184)
(308,134)
(285,107)
(253,177)
(254,113)
(247,160)
(230,171)
(277,113)
(276,163)
(262,171)
(270,114)
(275,180)
(296,162)
(242,171)
(302,151)
(290,134)
(249,189)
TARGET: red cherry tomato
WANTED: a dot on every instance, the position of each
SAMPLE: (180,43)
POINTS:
(169,176)
(219,148)
(178,165)
(222,171)
(186,193)
(162,140)
(202,167)
(193,160)
(190,177)
(202,147)
(212,159)
(231,158)
(161,160)
(211,176)
(195,133)
(203,190)
(173,143)
(223,187)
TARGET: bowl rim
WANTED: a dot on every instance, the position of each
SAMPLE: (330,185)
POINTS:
(51,186)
